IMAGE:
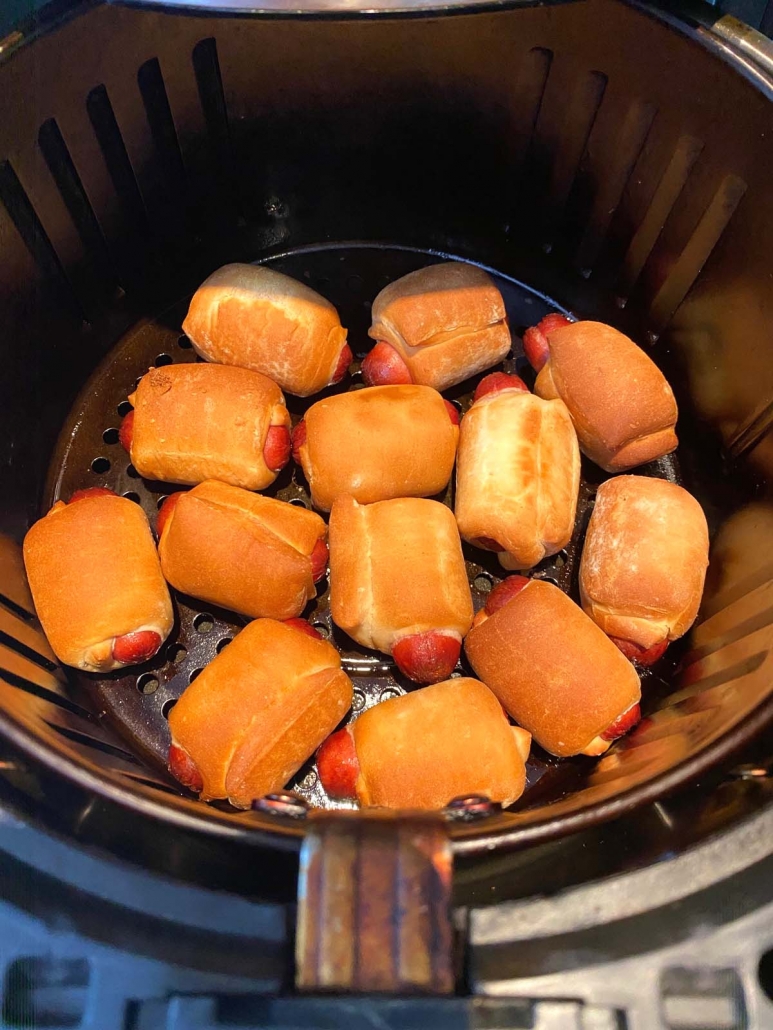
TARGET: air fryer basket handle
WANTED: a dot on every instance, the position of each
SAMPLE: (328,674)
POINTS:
(374,904)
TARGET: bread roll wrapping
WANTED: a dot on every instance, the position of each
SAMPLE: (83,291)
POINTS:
(644,561)
(94,575)
(194,422)
(240,550)
(257,318)
(261,708)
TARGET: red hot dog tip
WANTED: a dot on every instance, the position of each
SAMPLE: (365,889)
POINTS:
(184,769)
(642,656)
(303,627)
(345,359)
(319,557)
(535,342)
(384,367)
(623,723)
(298,440)
(453,412)
(134,648)
(504,592)
(427,657)
(488,544)
(126,432)
(276,450)
(535,339)
(554,321)
(338,766)
(91,491)
(496,382)
(535,347)
(165,511)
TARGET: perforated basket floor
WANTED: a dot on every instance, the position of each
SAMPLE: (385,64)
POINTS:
(137,701)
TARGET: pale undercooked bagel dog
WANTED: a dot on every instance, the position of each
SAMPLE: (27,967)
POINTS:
(96,582)
(552,668)
(373,444)
(437,326)
(239,550)
(196,422)
(250,720)
(622,407)
(423,749)
(517,473)
(398,582)
(644,563)
(255,317)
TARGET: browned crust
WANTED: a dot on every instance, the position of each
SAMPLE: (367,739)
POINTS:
(378,443)
(257,318)
(644,561)
(396,568)
(259,710)
(94,575)
(447,321)
(552,668)
(423,749)
(622,407)
(517,476)
(241,551)
(194,422)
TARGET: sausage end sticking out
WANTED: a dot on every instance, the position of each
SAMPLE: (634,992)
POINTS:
(134,648)
(623,723)
(496,382)
(535,342)
(427,657)
(642,656)
(319,557)
(303,627)
(276,450)
(126,432)
(183,768)
(91,491)
(298,440)
(165,511)
(453,412)
(383,366)
(337,765)
(487,543)
(504,592)
(345,358)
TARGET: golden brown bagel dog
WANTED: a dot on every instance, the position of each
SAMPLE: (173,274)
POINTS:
(517,473)
(197,422)
(378,443)
(96,582)
(436,327)
(250,720)
(622,407)
(423,749)
(398,582)
(252,316)
(552,668)
(242,551)
(644,564)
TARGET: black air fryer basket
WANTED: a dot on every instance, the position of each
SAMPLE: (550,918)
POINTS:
(600,157)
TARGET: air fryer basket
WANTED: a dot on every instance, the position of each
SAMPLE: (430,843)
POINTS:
(622,175)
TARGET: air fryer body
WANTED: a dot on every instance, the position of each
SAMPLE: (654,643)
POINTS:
(623,175)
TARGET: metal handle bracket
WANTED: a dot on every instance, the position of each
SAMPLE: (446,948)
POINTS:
(374,904)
